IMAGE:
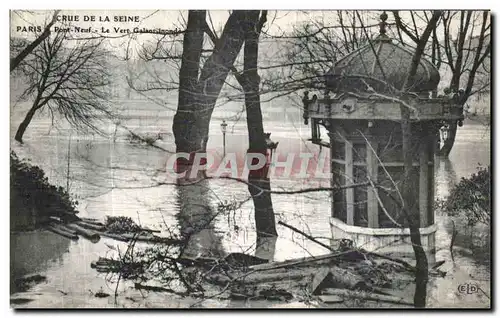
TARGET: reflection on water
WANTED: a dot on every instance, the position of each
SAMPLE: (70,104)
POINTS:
(34,252)
(446,177)
(119,179)
(466,267)
(195,220)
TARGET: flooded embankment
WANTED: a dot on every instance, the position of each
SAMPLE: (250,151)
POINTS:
(118,178)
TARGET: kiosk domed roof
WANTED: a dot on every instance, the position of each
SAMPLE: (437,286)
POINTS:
(379,62)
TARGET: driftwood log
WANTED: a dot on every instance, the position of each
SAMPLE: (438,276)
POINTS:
(60,231)
(93,236)
(92,221)
(91,226)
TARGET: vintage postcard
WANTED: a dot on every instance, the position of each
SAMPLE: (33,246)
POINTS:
(250,159)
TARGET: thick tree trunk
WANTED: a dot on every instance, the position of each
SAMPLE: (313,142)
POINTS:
(197,97)
(186,132)
(216,68)
(259,184)
(24,124)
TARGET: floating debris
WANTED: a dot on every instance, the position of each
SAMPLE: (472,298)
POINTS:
(57,229)
(24,283)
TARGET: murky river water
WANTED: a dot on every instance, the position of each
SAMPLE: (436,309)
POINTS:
(118,178)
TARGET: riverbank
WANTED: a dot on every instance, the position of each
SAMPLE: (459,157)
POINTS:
(33,200)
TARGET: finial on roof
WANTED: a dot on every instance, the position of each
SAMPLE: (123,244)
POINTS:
(383,24)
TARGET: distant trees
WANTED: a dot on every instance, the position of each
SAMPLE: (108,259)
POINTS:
(66,77)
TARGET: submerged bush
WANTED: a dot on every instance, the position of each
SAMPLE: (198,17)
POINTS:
(471,198)
(146,138)
(121,224)
(33,197)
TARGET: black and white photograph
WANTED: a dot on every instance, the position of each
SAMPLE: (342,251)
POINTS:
(228,159)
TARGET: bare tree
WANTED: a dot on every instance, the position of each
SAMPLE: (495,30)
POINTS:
(465,57)
(14,62)
(258,180)
(68,78)
(200,87)
(410,204)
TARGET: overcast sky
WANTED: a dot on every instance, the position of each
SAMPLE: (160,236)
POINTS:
(279,22)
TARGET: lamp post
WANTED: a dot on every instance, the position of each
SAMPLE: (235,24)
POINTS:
(223,128)
(444,132)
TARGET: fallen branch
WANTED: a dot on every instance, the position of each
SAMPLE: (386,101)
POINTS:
(407,265)
(158,289)
(306,235)
(303,261)
(126,237)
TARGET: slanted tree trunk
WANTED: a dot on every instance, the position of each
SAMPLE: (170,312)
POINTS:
(22,127)
(14,62)
(216,68)
(259,183)
(198,94)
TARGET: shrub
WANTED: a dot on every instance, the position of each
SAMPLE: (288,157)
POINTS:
(471,198)
(33,195)
(148,139)
(121,224)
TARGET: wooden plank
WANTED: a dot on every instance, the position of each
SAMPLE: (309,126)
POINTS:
(298,262)
(331,299)
(368,296)
(349,179)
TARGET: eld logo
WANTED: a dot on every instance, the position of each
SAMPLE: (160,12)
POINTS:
(468,288)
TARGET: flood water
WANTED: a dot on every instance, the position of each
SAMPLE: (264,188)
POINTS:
(121,179)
